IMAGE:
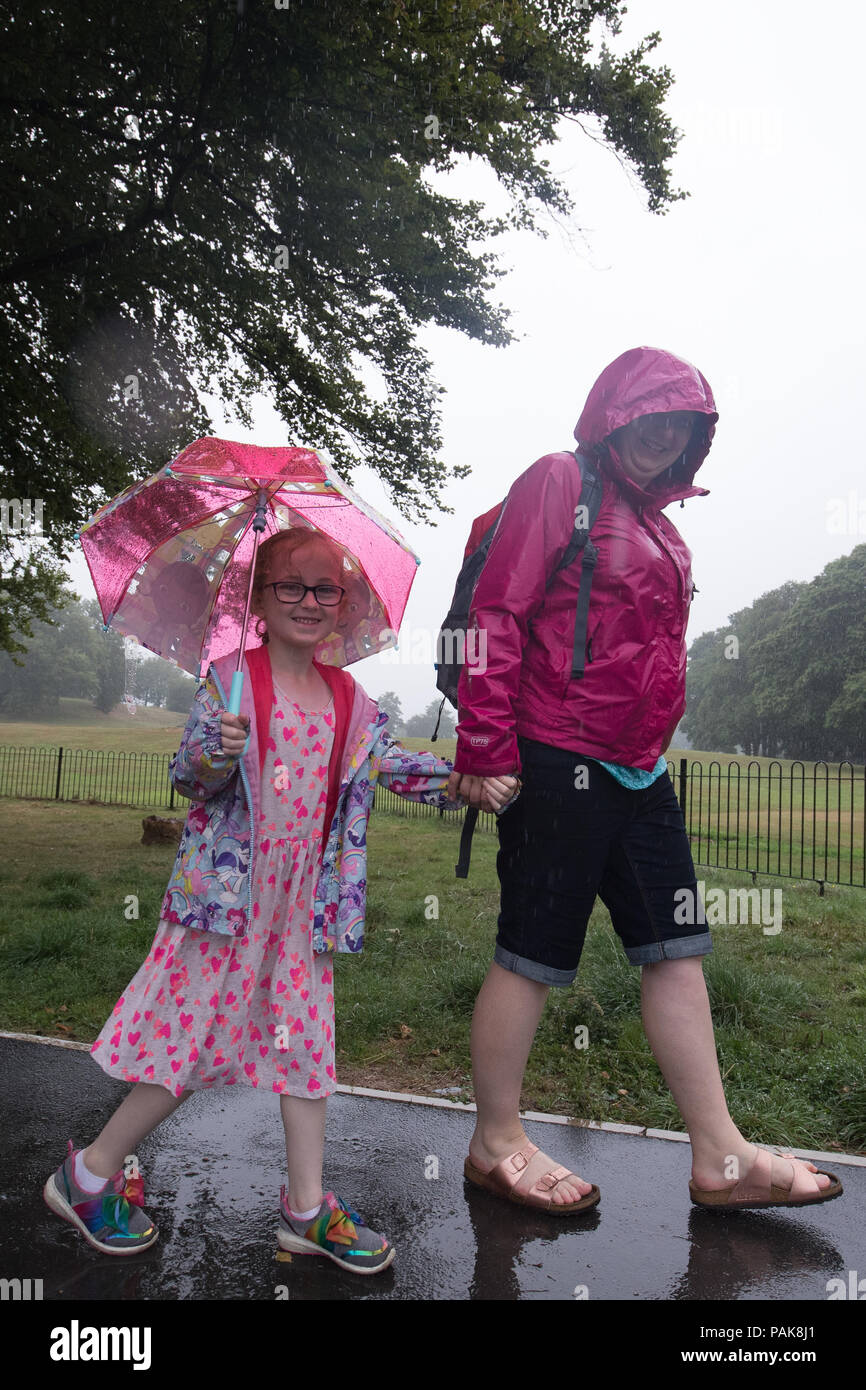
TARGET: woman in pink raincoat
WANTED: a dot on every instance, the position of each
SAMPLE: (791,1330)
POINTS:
(597,815)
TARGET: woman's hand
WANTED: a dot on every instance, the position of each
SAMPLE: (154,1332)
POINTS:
(498,791)
(482,792)
(233,734)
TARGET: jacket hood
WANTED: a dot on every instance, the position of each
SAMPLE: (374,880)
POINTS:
(648,381)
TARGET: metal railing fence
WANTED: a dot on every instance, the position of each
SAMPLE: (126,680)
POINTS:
(800,820)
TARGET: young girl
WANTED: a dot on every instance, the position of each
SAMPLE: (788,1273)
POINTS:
(268,883)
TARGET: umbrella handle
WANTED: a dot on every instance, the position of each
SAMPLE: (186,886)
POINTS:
(238,675)
(235,693)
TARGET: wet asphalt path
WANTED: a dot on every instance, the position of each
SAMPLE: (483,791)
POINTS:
(213,1171)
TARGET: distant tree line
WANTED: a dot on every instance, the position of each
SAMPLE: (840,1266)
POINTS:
(417,725)
(787,676)
(73,656)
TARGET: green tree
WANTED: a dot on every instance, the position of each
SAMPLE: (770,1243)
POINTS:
(31,587)
(422,725)
(703,673)
(32,687)
(722,712)
(109,661)
(237,198)
(787,676)
(180,691)
(808,666)
(390,703)
(60,660)
(110,670)
(846,718)
(149,682)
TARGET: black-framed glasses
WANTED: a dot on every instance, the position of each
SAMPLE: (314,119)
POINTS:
(328,595)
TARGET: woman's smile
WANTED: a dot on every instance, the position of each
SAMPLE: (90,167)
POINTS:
(649,444)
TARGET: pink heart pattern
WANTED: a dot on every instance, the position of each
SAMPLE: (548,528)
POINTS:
(178,1015)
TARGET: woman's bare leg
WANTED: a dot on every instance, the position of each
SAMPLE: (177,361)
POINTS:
(679,1029)
(146,1106)
(506,1016)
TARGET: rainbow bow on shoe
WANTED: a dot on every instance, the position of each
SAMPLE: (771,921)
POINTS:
(111,1209)
(340,1228)
(134,1190)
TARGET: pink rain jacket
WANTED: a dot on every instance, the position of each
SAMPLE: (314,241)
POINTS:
(632,696)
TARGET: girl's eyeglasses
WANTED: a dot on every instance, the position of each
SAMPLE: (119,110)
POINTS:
(328,595)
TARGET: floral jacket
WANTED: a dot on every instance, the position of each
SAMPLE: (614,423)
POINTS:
(210,887)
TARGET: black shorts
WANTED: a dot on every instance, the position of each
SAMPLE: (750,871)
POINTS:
(562,845)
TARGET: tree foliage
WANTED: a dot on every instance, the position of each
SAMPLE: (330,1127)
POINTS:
(180,691)
(422,725)
(792,682)
(110,665)
(243,198)
(148,680)
(390,703)
(71,655)
(61,659)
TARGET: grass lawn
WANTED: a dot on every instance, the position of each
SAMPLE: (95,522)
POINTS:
(789,1008)
(771,815)
(79,725)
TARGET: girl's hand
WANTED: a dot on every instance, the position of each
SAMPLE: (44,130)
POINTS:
(233,734)
(463,786)
(498,792)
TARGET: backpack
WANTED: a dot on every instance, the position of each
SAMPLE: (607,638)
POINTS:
(451,643)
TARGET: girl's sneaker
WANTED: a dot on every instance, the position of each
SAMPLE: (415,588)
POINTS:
(336,1231)
(111,1220)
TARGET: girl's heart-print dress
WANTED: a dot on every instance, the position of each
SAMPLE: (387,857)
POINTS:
(209,1010)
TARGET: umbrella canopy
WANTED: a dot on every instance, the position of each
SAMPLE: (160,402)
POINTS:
(170,557)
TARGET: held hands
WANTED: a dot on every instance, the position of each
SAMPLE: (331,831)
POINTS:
(234,729)
(487,793)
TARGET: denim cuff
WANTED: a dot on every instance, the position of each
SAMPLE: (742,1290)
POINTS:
(674,949)
(532,970)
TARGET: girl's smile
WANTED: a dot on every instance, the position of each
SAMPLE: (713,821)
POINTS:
(305,623)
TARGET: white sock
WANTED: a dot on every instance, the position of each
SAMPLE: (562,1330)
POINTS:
(305,1215)
(90,1182)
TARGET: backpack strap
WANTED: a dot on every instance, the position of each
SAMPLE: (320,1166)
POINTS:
(581,616)
(438,719)
(342,686)
(461,868)
(591,495)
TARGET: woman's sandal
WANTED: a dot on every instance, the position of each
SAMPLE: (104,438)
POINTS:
(757,1190)
(504,1176)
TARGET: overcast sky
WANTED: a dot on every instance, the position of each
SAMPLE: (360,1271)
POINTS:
(756,278)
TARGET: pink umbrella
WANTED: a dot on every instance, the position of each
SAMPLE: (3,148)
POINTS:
(172,556)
